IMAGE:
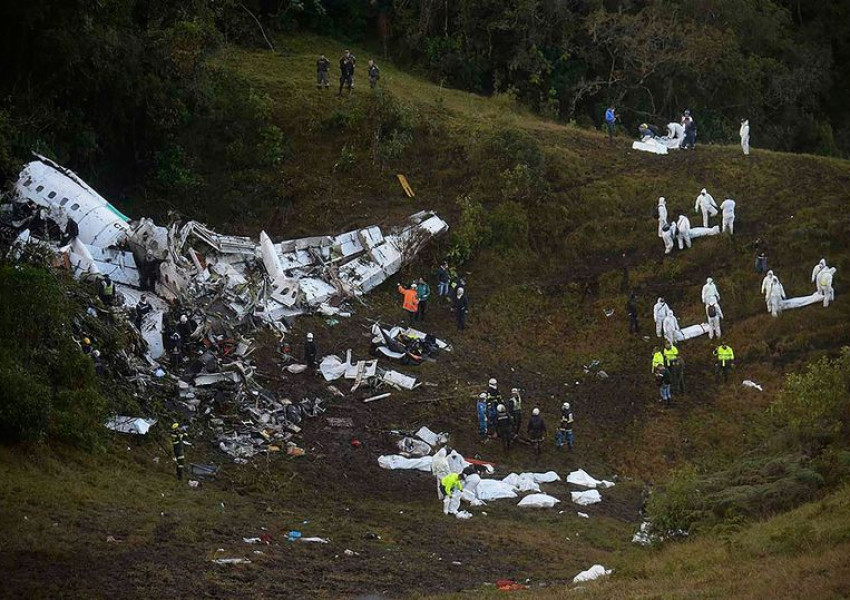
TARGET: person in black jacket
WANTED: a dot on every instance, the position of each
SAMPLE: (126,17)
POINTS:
(323,65)
(632,311)
(310,352)
(346,72)
(461,308)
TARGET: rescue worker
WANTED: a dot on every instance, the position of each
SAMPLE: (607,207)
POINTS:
(423,294)
(148,272)
(662,378)
(745,136)
(311,352)
(504,428)
(178,439)
(657,358)
(671,327)
(725,359)
(346,72)
(706,204)
(714,314)
(818,268)
(98,363)
(374,73)
(766,284)
(825,285)
(659,313)
(565,428)
(186,327)
(632,312)
(323,65)
(410,302)
(667,233)
(439,469)
(515,408)
(176,350)
(481,408)
(494,398)
(443,279)
(709,293)
(106,291)
(452,489)
(662,214)
(683,232)
(471,480)
(674,363)
(143,307)
(777,295)
(461,308)
(727,208)
(536,427)
(611,123)
(761,263)
(86,346)
(690,125)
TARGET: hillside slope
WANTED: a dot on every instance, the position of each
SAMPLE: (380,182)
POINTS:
(560,227)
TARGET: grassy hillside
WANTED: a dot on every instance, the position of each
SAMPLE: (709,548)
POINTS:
(559,226)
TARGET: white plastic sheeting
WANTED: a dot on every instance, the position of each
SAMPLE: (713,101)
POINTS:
(547,477)
(582,478)
(523,483)
(650,145)
(413,447)
(538,501)
(586,498)
(698,232)
(394,462)
(801,301)
(431,438)
(493,489)
(133,425)
(693,331)
(594,572)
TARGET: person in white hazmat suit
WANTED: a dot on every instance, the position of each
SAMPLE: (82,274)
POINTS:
(766,284)
(662,214)
(439,469)
(667,234)
(777,295)
(675,131)
(705,203)
(745,136)
(816,271)
(683,232)
(710,295)
(470,486)
(659,312)
(727,207)
(671,328)
(713,314)
(825,285)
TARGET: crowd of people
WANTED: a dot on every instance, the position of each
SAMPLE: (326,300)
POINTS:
(347,65)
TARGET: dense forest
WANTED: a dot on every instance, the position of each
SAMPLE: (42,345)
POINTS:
(108,86)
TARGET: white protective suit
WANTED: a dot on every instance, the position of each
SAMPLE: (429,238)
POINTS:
(710,295)
(825,285)
(659,312)
(470,489)
(713,322)
(675,131)
(451,503)
(671,328)
(745,137)
(766,284)
(818,268)
(662,214)
(683,231)
(667,234)
(777,295)
(705,203)
(728,208)
(439,469)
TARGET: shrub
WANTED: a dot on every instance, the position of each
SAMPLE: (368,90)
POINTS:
(509,225)
(471,232)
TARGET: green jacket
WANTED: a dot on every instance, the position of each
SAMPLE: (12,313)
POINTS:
(423,291)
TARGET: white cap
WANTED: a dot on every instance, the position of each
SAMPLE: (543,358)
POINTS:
(514,390)
(566,406)
(483,395)
(309,337)
(96,352)
(492,381)
(535,412)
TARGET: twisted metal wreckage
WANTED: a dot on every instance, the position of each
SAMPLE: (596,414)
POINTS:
(227,284)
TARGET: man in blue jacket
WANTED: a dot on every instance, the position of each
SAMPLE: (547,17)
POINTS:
(611,122)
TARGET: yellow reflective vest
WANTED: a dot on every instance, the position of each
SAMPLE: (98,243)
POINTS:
(671,354)
(657,359)
(724,354)
(451,482)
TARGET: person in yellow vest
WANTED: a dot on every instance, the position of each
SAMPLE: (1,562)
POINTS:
(177,440)
(452,488)
(676,365)
(410,302)
(725,359)
(106,291)
(657,358)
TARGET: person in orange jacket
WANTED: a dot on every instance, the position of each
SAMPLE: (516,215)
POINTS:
(410,302)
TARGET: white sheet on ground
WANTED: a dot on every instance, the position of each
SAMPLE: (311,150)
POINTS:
(698,232)
(413,447)
(594,572)
(586,498)
(693,331)
(522,483)
(394,461)
(547,477)
(752,384)
(582,478)
(429,437)
(801,301)
(134,425)
(650,145)
(332,367)
(493,489)
(538,501)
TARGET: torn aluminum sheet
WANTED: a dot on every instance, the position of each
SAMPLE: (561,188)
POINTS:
(801,301)
(583,479)
(431,438)
(213,378)
(118,264)
(399,380)
(133,425)
(650,145)
(152,323)
(538,501)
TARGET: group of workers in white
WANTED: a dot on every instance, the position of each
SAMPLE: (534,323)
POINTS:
(680,229)
(774,292)
(667,324)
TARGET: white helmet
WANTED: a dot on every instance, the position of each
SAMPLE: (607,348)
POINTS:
(492,382)
(183,318)
(566,406)
(501,408)
(482,395)
(514,390)
(460,292)
(309,337)
(535,412)
(414,284)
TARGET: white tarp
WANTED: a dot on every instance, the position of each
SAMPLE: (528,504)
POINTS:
(332,367)
(522,483)
(594,572)
(801,301)
(693,331)
(394,462)
(586,498)
(547,477)
(134,425)
(413,447)
(431,438)
(538,501)
(650,145)
(698,232)
(493,489)
(583,479)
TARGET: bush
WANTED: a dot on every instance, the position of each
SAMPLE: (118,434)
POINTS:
(509,225)
(471,232)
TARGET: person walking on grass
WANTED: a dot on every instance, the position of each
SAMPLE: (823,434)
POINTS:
(611,123)
(346,72)
(323,66)
(410,303)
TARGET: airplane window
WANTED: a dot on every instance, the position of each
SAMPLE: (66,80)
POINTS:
(64,202)
(75,206)
(51,195)
(39,188)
